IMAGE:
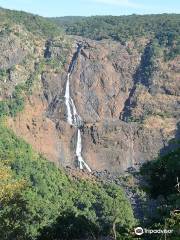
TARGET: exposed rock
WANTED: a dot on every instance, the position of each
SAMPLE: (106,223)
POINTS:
(117,145)
(104,89)
(14,47)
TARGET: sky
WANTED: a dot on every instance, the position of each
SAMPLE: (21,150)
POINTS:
(57,8)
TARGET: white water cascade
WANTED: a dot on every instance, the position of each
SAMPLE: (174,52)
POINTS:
(78,152)
(67,101)
(74,119)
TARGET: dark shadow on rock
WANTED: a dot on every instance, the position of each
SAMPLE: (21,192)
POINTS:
(161,174)
(173,143)
(70,227)
(74,58)
(139,77)
(47,52)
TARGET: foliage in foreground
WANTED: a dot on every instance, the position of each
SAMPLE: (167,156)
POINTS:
(50,205)
(163,178)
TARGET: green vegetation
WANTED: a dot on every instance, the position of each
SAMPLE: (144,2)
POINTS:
(15,103)
(3,74)
(33,23)
(38,201)
(51,205)
(163,179)
(148,64)
(56,52)
(162,174)
(11,214)
(164,28)
(122,28)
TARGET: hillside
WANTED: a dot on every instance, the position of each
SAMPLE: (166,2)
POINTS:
(127,95)
(163,27)
(84,103)
(33,23)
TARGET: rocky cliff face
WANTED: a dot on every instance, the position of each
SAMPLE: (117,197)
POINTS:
(127,118)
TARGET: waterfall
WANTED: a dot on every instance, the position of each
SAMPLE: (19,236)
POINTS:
(67,101)
(73,117)
(78,152)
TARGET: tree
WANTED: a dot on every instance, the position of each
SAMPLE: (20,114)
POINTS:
(12,206)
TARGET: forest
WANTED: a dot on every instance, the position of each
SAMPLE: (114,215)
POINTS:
(39,200)
(163,28)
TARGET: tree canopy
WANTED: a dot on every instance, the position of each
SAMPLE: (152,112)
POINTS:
(49,199)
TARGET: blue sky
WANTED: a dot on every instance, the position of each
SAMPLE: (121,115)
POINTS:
(51,8)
